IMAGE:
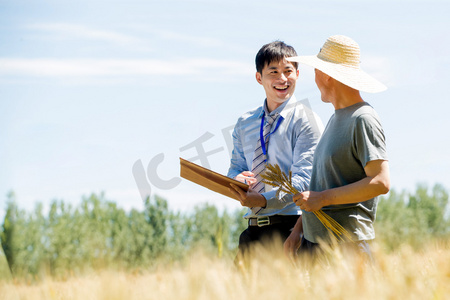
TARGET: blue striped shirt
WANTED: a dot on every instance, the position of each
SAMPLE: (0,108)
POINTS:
(291,146)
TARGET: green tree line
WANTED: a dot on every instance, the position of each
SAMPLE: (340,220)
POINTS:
(413,218)
(99,234)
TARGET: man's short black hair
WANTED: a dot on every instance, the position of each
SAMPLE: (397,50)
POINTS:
(274,51)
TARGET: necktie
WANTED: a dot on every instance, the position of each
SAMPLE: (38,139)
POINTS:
(259,159)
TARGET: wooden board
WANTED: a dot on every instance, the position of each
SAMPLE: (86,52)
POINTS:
(209,179)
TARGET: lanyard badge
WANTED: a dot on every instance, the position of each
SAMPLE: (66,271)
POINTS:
(261,134)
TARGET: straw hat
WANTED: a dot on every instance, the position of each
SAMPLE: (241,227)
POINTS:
(339,58)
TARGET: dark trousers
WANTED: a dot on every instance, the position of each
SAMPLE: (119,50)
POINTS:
(361,247)
(265,234)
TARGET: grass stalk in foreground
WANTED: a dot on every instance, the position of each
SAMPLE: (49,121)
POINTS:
(405,274)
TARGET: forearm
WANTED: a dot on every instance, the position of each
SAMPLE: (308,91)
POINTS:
(301,175)
(298,228)
(352,193)
(293,242)
(275,202)
(375,183)
(362,190)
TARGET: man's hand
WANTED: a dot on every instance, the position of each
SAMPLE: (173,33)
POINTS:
(309,201)
(246,177)
(292,243)
(250,198)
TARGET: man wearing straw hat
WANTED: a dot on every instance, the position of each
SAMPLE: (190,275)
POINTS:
(281,131)
(350,167)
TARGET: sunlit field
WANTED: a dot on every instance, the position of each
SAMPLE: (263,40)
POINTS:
(97,250)
(403,274)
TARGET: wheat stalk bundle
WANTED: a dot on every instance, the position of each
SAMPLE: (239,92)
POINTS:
(275,177)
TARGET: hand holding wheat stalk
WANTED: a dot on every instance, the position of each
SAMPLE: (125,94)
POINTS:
(275,177)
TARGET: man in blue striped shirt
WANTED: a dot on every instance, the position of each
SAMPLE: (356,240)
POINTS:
(282,131)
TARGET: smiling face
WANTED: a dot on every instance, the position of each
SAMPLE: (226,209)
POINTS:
(278,79)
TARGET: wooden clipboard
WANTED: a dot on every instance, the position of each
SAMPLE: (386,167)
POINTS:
(209,179)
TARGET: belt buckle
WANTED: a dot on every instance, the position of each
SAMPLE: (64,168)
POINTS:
(263,221)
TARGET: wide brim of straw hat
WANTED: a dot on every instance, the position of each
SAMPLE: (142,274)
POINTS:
(340,58)
(352,77)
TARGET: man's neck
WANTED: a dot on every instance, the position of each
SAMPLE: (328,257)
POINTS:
(345,97)
(272,105)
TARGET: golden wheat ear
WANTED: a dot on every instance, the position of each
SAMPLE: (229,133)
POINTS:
(275,177)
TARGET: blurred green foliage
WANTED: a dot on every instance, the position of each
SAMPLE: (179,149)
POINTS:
(415,218)
(97,234)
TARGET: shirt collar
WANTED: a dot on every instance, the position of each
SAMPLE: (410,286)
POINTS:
(280,109)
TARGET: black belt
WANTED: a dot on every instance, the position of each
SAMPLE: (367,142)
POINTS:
(271,220)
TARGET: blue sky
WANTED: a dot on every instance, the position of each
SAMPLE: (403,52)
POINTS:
(89,89)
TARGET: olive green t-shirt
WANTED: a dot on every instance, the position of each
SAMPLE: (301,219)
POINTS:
(353,137)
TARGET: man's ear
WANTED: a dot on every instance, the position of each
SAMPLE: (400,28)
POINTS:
(258,77)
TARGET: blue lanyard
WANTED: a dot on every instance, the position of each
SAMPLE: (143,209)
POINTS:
(261,135)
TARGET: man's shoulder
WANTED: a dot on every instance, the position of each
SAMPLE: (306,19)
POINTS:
(300,112)
(363,108)
(295,107)
(365,113)
(254,113)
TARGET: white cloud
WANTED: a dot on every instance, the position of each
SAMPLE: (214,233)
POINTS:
(43,67)
(67,30)
(201,41)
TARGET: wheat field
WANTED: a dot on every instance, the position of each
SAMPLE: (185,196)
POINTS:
(404,274)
